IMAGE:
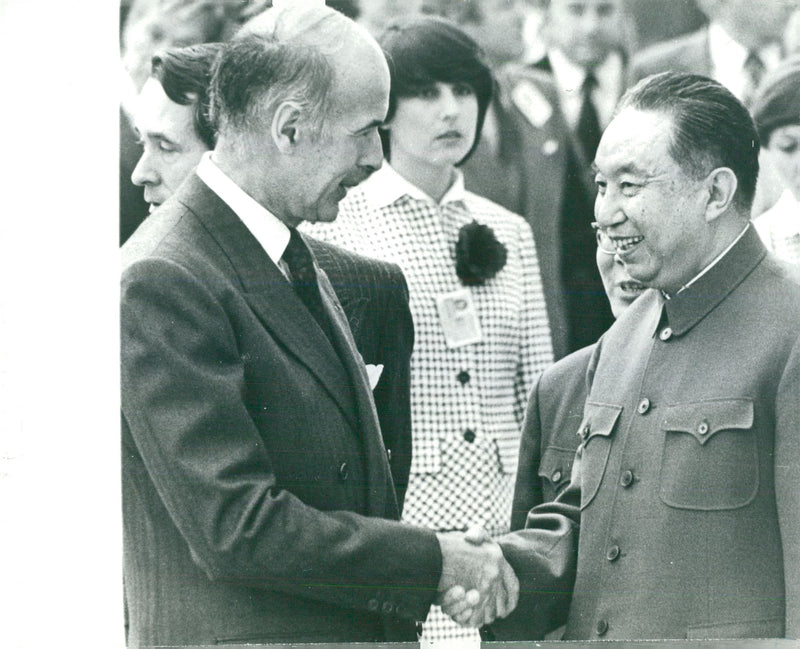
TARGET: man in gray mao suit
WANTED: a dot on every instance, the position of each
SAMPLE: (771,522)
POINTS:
(681,520)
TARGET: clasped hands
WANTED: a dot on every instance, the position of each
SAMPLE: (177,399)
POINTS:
(477,584)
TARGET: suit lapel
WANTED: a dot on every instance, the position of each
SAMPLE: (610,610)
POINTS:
(270,295)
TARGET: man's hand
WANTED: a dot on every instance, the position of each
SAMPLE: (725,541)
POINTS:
(477,584)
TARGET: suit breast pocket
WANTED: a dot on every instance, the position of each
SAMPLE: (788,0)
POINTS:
(596,431)
(710,455)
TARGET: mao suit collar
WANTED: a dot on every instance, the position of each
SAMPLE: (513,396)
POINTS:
(690,306)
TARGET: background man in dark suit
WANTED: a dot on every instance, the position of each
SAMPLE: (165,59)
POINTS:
(740,44)
(686,481)
(257,496)
(172,123)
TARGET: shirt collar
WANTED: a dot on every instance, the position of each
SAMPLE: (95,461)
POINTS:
(728,57)
(386,186)
(571,76)
(268,229)
(700,296)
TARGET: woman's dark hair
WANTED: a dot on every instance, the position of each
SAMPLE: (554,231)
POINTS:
(423,50)
(185,75)
(777,101)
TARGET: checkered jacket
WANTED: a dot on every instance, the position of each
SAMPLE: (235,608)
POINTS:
(420,237)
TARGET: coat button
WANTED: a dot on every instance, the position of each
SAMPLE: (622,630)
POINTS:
(702,428)
(556,477)
(389,454)
(626,479)
(469,435)
(665,334)
(343,472)
(613,553)
(418,627)
(644,406)
(586,430)
(373,605)
(602,627)
(463,377)
(387,607)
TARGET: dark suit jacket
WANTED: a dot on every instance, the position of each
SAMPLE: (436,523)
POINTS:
(550,434)
(688,53)
(258,503)
(374,297)
(540,146)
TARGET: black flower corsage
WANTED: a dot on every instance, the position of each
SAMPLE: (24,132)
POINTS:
(479,255)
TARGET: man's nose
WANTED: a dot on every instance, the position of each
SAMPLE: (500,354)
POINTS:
(145,173)
(608,210)
(371,156)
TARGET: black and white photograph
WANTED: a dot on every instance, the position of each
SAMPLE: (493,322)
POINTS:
(433,323)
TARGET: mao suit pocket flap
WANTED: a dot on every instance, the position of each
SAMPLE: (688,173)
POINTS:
(704,419)
(596,433)
(555,470)
(598,419)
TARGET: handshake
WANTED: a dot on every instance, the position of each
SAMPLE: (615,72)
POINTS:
(477,585)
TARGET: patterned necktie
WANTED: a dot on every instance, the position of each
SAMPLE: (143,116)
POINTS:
(588,128)
(304,280)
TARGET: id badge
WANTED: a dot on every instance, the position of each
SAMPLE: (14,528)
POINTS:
(459,318)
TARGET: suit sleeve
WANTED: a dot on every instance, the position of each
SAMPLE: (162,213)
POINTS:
(787,485)
(183,396)
(393,391)
(528,488)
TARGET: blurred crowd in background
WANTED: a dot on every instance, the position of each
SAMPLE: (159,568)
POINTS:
(546,56)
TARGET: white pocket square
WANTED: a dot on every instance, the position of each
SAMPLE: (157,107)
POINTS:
(374,374)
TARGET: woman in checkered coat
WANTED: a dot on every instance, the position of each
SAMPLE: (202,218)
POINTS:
(482,333)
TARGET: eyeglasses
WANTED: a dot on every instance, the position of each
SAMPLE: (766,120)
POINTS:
(604,243)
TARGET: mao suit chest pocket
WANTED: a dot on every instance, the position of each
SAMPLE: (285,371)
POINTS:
(710,458)
(596,433)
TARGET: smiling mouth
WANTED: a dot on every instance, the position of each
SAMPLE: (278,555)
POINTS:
(624,244)
(632,287)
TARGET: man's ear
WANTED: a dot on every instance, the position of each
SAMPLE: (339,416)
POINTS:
(286,126)
(722,186)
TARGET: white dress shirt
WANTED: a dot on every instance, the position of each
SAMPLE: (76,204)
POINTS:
(569,79)
(728,58)
(268,229)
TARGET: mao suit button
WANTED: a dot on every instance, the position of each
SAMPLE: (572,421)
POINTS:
(665,334)
(613,553)
(556,477)
(626,479)
(387,607)
(702,428)
(344,472)
(644,406)
(586,430)
(373,605)
(469,435)
(389,454)
(602,627)
(463,377)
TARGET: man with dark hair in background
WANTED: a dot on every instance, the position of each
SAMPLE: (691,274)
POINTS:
(257,496)
(687,478)
(170,119)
